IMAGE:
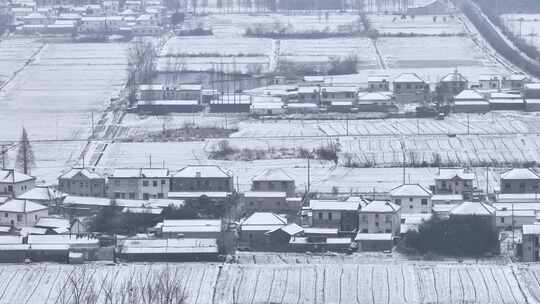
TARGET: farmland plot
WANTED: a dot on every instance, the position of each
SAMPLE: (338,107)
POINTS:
(14,54)
(420,25)
(526,26)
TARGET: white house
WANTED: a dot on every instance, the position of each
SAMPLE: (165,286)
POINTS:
(14,183)
(412,198)
(21,213)
(380,217)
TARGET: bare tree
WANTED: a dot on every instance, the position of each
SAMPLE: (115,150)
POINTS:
(142,61)
(25,156)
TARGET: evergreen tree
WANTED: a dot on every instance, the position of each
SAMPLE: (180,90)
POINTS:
(25,156)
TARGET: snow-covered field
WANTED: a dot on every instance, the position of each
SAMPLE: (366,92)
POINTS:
(282,283)
(420,25)
(526,26)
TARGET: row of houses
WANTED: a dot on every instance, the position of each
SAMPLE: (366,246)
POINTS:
(474,101)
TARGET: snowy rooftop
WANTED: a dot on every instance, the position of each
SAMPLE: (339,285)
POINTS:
(10,239)
(210,194)
(473,208)
(503,95)
(506,101)
(519,174)
(62,239)
(53,222)
(170,246)
(273,175)
(267,105)
(447,197)
(192,223)
(263,221)
(209,171)
(168,102)
(315,230)
(415,190)
(140,173)
(301,105)
(21,206)
(317,205)
(268,194)
(517,213)
(450,173)
(337,89)
(381,207)
(443,208)
(306,240)
(7,176)
(469,95)
(375,96)
(408,78)
(291,229)
(42,194)
(531,229)
(87,200)
(454,77)
(532,86)
(377,78)
(373,237)
(517,198)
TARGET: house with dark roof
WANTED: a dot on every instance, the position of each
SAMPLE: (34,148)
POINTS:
(520,180)
(274,180)
(82,182)
(413,198)
(14,183)
(205,178)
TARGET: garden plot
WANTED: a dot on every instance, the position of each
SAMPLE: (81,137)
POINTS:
(431,52)
(322,51)
(526,26)
(400,282)
(230,55)
(420,25)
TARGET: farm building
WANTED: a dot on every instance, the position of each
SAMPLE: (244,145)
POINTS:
(191,229)
(508,219)
(412,198)
(481,211)
(12,249)
(231,103)
(520,180)
(202,178)
(302,108)
(272,108)
(410,88)
(489,82)
(168,106)
(374,241)
(378,83)
(532,105)
(341,106)
(274,180)
(185,249)
(266,201)
(160,92)
(252,229)
(506,101)
(514,82)
(21,213)
(469,101)
(319,240)
(56,247)
(280,237)
(342,215)
(82,182)
(330,94)
(374,102)
(14,183)
(530,247)
(531,91)
(380,217)
(309,94)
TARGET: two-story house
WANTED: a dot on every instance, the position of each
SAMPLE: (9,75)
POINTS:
(342,215)
(13,183)
(200,178)
(82,182)
(21,213)
(380,217)
(410,88)
(412,198)
(144,183)
(520,180)
(274,180)
(455,181)
(378,83)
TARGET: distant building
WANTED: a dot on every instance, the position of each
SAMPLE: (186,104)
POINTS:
(281,237)
(149,92)
(514,82)
(309,94)
(470,101)
(378,83)
(410,88)
(455,181)
(482,212)
(508,219)
(374,102)
(380,217)
(47,196)
(174,250)
(412,198)
(141,184)
(192,229)
(451,85)
(446,199)
(489,82)
(342,215)
(506,101)
(252,232)
(331,94)
(520,180)
(202,178)
(21,213)
(531,95)
(82,182)
(231,103)
(530,247)
(266,201)
(274,180)
(168,106)
(14,183)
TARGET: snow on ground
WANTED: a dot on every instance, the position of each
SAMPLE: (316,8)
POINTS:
(14,54)
(420,25)
(525,25)
(404,282)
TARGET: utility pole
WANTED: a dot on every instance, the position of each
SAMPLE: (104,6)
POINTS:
(4,156)
(468,125)
(92,124)
(150,160)
(308,175)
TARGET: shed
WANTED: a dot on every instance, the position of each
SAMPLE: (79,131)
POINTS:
(374,241)
(231,103)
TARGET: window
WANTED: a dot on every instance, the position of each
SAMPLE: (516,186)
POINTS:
(146,196)
(410,199)
(376,215)
(507,186)
(35,217)
(132,195)
(411,207)
(388,219)
(424,201)
(320,215)
(329,216)
(154,183)
(145,183)
(364,218)
(163,181)
(19,217)
(6,214)
(502,220)
(521,185)
(398,201)
(376,224)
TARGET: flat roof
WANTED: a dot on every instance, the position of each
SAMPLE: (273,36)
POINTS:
(269,194)
(373,237)
(210,194)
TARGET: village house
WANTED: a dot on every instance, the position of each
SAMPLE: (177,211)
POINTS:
(319,240)
(309,94)
(231,103)
(252,231)
(191,229)
(147,25)
(21,213)
(520,180)
(531,95)
(54,225)
(82,182)
(508,219)
(489,82)
(470,101)
(330,94)
(149,92)
(482,212)
(455,181)
(266,201)
(35,19)
(56,247)
(12,249)
(374,102)
(410,88)
(14,183)
(274,180)
(506,101)
(378,83)
(342,215)
(140,184)
(514,82)
(174,250)
(280,237)
(199,178)
(530,246)
(412,198)
(451,85)
(380,217)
